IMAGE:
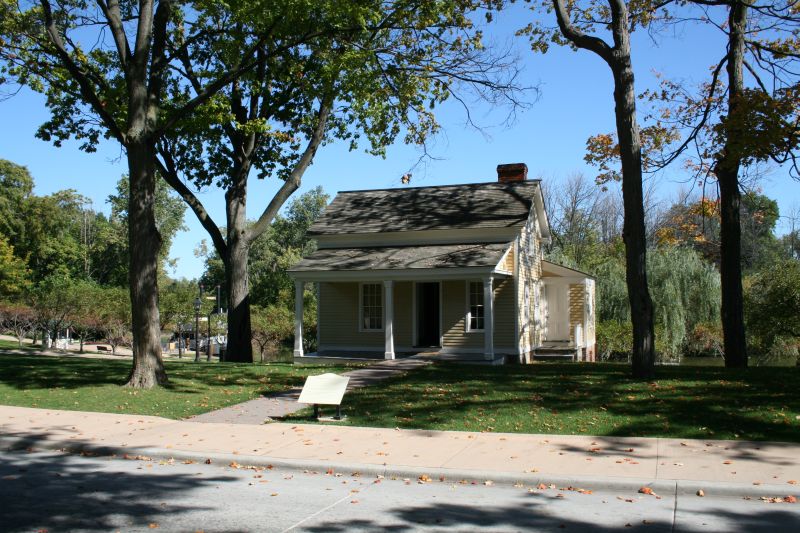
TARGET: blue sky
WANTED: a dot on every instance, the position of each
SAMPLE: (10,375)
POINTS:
(575,101)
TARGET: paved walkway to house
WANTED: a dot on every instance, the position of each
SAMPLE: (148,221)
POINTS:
(668,466)
(264,409)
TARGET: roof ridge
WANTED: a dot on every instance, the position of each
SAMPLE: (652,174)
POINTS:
(513,183)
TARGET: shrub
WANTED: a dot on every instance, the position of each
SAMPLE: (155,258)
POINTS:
(704,340)
(614,340)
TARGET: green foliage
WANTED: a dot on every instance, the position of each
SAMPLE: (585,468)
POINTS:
(685,292)
(614,340)
(271,254)
(705,340)
(271,326)
(697,224)
(16,186)
(61,235)
(14,272)
(169,213)
(176,304)
(772,305)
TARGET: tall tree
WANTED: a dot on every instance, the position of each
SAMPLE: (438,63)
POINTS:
(745,115)
(104,68)
(371,80)
(575,27)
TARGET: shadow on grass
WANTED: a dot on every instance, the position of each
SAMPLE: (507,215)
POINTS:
(51,491)
(26,372)
(592,399)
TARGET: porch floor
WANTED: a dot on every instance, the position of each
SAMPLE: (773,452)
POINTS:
(334,357)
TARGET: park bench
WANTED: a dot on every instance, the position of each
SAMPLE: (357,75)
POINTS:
(103,348)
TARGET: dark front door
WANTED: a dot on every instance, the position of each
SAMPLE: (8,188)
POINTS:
(428,314)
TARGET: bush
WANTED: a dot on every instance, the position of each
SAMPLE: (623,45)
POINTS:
(614,340)
(704,340)
(772,308)
(784,351)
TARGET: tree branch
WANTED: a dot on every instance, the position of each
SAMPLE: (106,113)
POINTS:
(577,37)
(170,175)
(87,91)
(293,182)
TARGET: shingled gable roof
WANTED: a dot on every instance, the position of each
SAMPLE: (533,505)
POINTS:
(476,205)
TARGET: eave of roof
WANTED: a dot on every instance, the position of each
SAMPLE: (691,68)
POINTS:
(447,256)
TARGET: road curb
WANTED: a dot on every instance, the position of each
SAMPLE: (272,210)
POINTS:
(624,485)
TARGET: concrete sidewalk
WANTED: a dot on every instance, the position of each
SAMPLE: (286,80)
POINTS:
(718,467)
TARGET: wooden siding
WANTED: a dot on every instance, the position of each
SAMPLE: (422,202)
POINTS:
(529,246)
(508,262)
(454,313)
(338,318)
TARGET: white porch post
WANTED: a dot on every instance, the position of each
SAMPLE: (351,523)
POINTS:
(488,318)
(298,318)
(388,315)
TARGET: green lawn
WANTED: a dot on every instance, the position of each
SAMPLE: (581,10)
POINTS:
(594,399)
(94,384)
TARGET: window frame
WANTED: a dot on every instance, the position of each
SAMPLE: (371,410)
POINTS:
(468,321)
(361,307)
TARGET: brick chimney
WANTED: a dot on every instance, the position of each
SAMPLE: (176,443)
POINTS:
(512,172)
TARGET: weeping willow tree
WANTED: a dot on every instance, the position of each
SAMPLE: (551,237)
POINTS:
(685,291)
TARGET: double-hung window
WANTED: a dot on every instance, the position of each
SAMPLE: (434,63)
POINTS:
(371,307)
(476,311)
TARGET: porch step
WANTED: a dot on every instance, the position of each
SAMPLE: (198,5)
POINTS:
(555,353)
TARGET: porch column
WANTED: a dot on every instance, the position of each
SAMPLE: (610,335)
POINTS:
(298,318)
(488,318)
(388,317)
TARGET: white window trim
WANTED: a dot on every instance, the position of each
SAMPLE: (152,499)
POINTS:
(361,328)
(467,328)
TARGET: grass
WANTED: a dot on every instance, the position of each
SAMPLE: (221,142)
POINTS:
(14,345)
(593,399)
(81,384)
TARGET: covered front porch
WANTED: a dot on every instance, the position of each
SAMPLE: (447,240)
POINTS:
(463,312)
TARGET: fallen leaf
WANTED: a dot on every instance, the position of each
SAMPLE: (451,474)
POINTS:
(152,525)
(208,461)
(646,490)
(792,482)
(701,493)
(488,483)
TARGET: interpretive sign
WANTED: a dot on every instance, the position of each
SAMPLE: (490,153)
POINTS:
(325,389)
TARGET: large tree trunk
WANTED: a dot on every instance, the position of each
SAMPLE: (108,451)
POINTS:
(633,232)
(240,346)
(727,172)
(144,241)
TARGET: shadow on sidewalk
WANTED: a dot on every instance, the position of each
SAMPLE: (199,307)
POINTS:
(49,491)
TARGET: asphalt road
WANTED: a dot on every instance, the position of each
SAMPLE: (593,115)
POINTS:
(47,491)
